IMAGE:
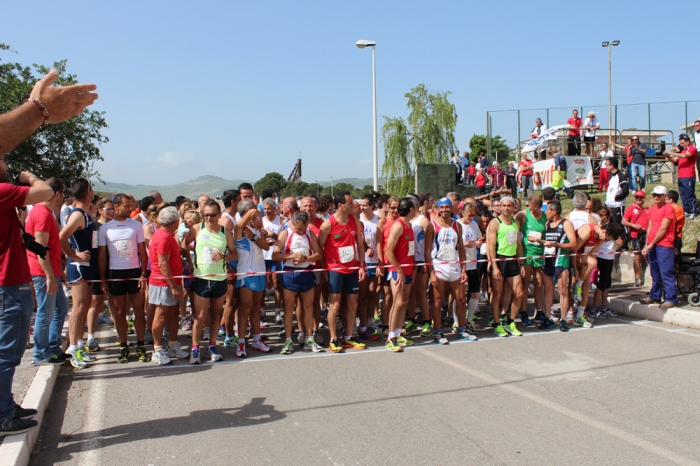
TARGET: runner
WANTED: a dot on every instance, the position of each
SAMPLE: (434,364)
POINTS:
(383,229)
(343,253)
(590,239)
(214,246)
(605,259)
(423,233)
(250,243)
(446,274)
(533,224)
(165,292)
(503,243)
(271,223)
(79,244)
(400,249)
(471,238)
(368,305)
(230,198)
(298,247)
(123,237)
(310,205)
(636,219)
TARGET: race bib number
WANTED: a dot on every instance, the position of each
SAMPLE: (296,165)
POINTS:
(448,252)
(125,249)
(471,254)
(411,248)
(550,251)
(535,234)
(207,252)
(95,243)
(347,254)
(512,237)
(587,249)
(483,250)
(258,254)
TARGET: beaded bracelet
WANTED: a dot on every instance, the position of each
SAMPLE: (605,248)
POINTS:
(43,110)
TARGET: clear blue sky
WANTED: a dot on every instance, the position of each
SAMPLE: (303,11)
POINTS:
(237,89)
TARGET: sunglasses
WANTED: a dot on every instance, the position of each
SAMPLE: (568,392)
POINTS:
(657,195)
(210,215)
(638,197)
(393,208)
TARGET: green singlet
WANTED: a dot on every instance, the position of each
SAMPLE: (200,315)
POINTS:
(507,240)
(536,227)
(205,244)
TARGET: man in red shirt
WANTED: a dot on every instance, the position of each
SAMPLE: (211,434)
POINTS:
(574,139)
(659,251)
(636,219)
(685,159)
(52,305)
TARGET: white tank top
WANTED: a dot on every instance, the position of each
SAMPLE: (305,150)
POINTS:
(470,232)
(607,250)
(370,228)
(233,219)
(419,236)
(250,256)
(274,226)
(578,219)
(298,244)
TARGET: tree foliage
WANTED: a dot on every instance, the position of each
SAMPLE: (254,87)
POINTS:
(273,181)
(67,150)
(426,136)
(478,143)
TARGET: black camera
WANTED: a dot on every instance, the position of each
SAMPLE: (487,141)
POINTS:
(31,244)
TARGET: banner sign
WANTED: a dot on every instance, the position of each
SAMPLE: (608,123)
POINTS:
(579,172)
(541,142)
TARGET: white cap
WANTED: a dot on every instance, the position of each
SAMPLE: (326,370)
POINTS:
(591,113)
(494,164)
(659,190)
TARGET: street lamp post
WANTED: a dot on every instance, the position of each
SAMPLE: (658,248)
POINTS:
(610,45)
(362,44)
(331,186)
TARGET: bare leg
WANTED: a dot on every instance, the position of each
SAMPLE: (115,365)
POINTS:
(137,300)
(82,297)
(201,320)
(216,307)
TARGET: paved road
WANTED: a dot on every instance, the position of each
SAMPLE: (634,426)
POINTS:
(623,392)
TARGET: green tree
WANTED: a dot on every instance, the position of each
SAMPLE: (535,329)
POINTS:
(67,150)
(273,181)
(426,136)
(478,143)
(342,187)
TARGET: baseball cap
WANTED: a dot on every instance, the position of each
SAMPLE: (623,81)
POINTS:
(641,193)
(494,164)
(659,190)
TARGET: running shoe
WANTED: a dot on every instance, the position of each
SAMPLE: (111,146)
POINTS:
(393,346)
(221,335)
(609,312)
(582,322)
(491,322)
(123,355)
(525,319)
(214,355)
(471,328)
(195,358)
(638,282)
(87,357)
(483,298)
(368,335)
(269,291)
(160,357)
(176,352)
(410,328)
(240,351)
(503,320)
(427,331)
(93,346)
(562,326)
(318,338)
(546,324)
(500,331)
(260,346)
(373,325)
(104,319)
(353,344)
(403,341)
(335,346)
(512,329)
(463,334)
(301,338)
(77,360)
(279,316)
(186,324)
(311,345)
(231,342)
(142,355)
(570,317)
(288,347)
(262,315)
(148,337)
(577,293)
(441,339)
(130,326)
(540,317)
(599,313)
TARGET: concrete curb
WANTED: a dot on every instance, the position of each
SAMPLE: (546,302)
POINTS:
(673,316)
(17,449)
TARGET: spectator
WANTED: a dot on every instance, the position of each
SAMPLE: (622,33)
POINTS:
(538,131)
(605,152)
(574,139)
(66,208)
(480,181)
(499,176)
(511,178)
(483,160)
(603,176)
(636,220)
(561,166)
(672,198)
(618,189)
(638,152)
(686,160)
(464,163)
(590,126)
(526,176)
(471,173)
(696,141)
(659,251)
(456,162)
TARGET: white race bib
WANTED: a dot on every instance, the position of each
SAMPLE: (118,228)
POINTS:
(550,251)
(471,254)
(447,252)
(259,257)
(206,255)
(483,250)
(536,234)
(411,248)
(587,249)
(347,254)
(125,249)
(512,237)
(95,243)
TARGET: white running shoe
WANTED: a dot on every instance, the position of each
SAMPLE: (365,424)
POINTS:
(279,316)
(260,346)
(176,352)
(160,357)
(214,355)
(301,338)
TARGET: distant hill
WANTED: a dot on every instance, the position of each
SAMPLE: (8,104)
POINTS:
(211,185)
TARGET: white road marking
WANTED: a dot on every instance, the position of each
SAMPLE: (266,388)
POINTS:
(93,422)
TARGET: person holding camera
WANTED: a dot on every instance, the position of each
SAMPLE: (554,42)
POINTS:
(47,273)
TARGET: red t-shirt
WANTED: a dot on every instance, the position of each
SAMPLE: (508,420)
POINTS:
(603,179)
(163,242)
(526,167)
(41,219)
(656,215)
(13,259)
(402,250)
(686,166)
(471,171)
(576,123)
(480,180)
(680,220)
(634,214)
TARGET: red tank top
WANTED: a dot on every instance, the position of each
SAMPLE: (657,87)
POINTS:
(340,250)
(315,226)
(404,250)
(591,241)
(385,232)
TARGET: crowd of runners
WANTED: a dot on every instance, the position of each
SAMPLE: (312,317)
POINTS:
(375,268)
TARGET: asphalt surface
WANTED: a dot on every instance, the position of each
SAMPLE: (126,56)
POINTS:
(624,392)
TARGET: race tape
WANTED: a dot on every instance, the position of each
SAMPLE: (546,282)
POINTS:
(385,266)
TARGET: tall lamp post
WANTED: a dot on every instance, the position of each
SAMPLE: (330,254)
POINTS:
(610,45)
(362,44)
